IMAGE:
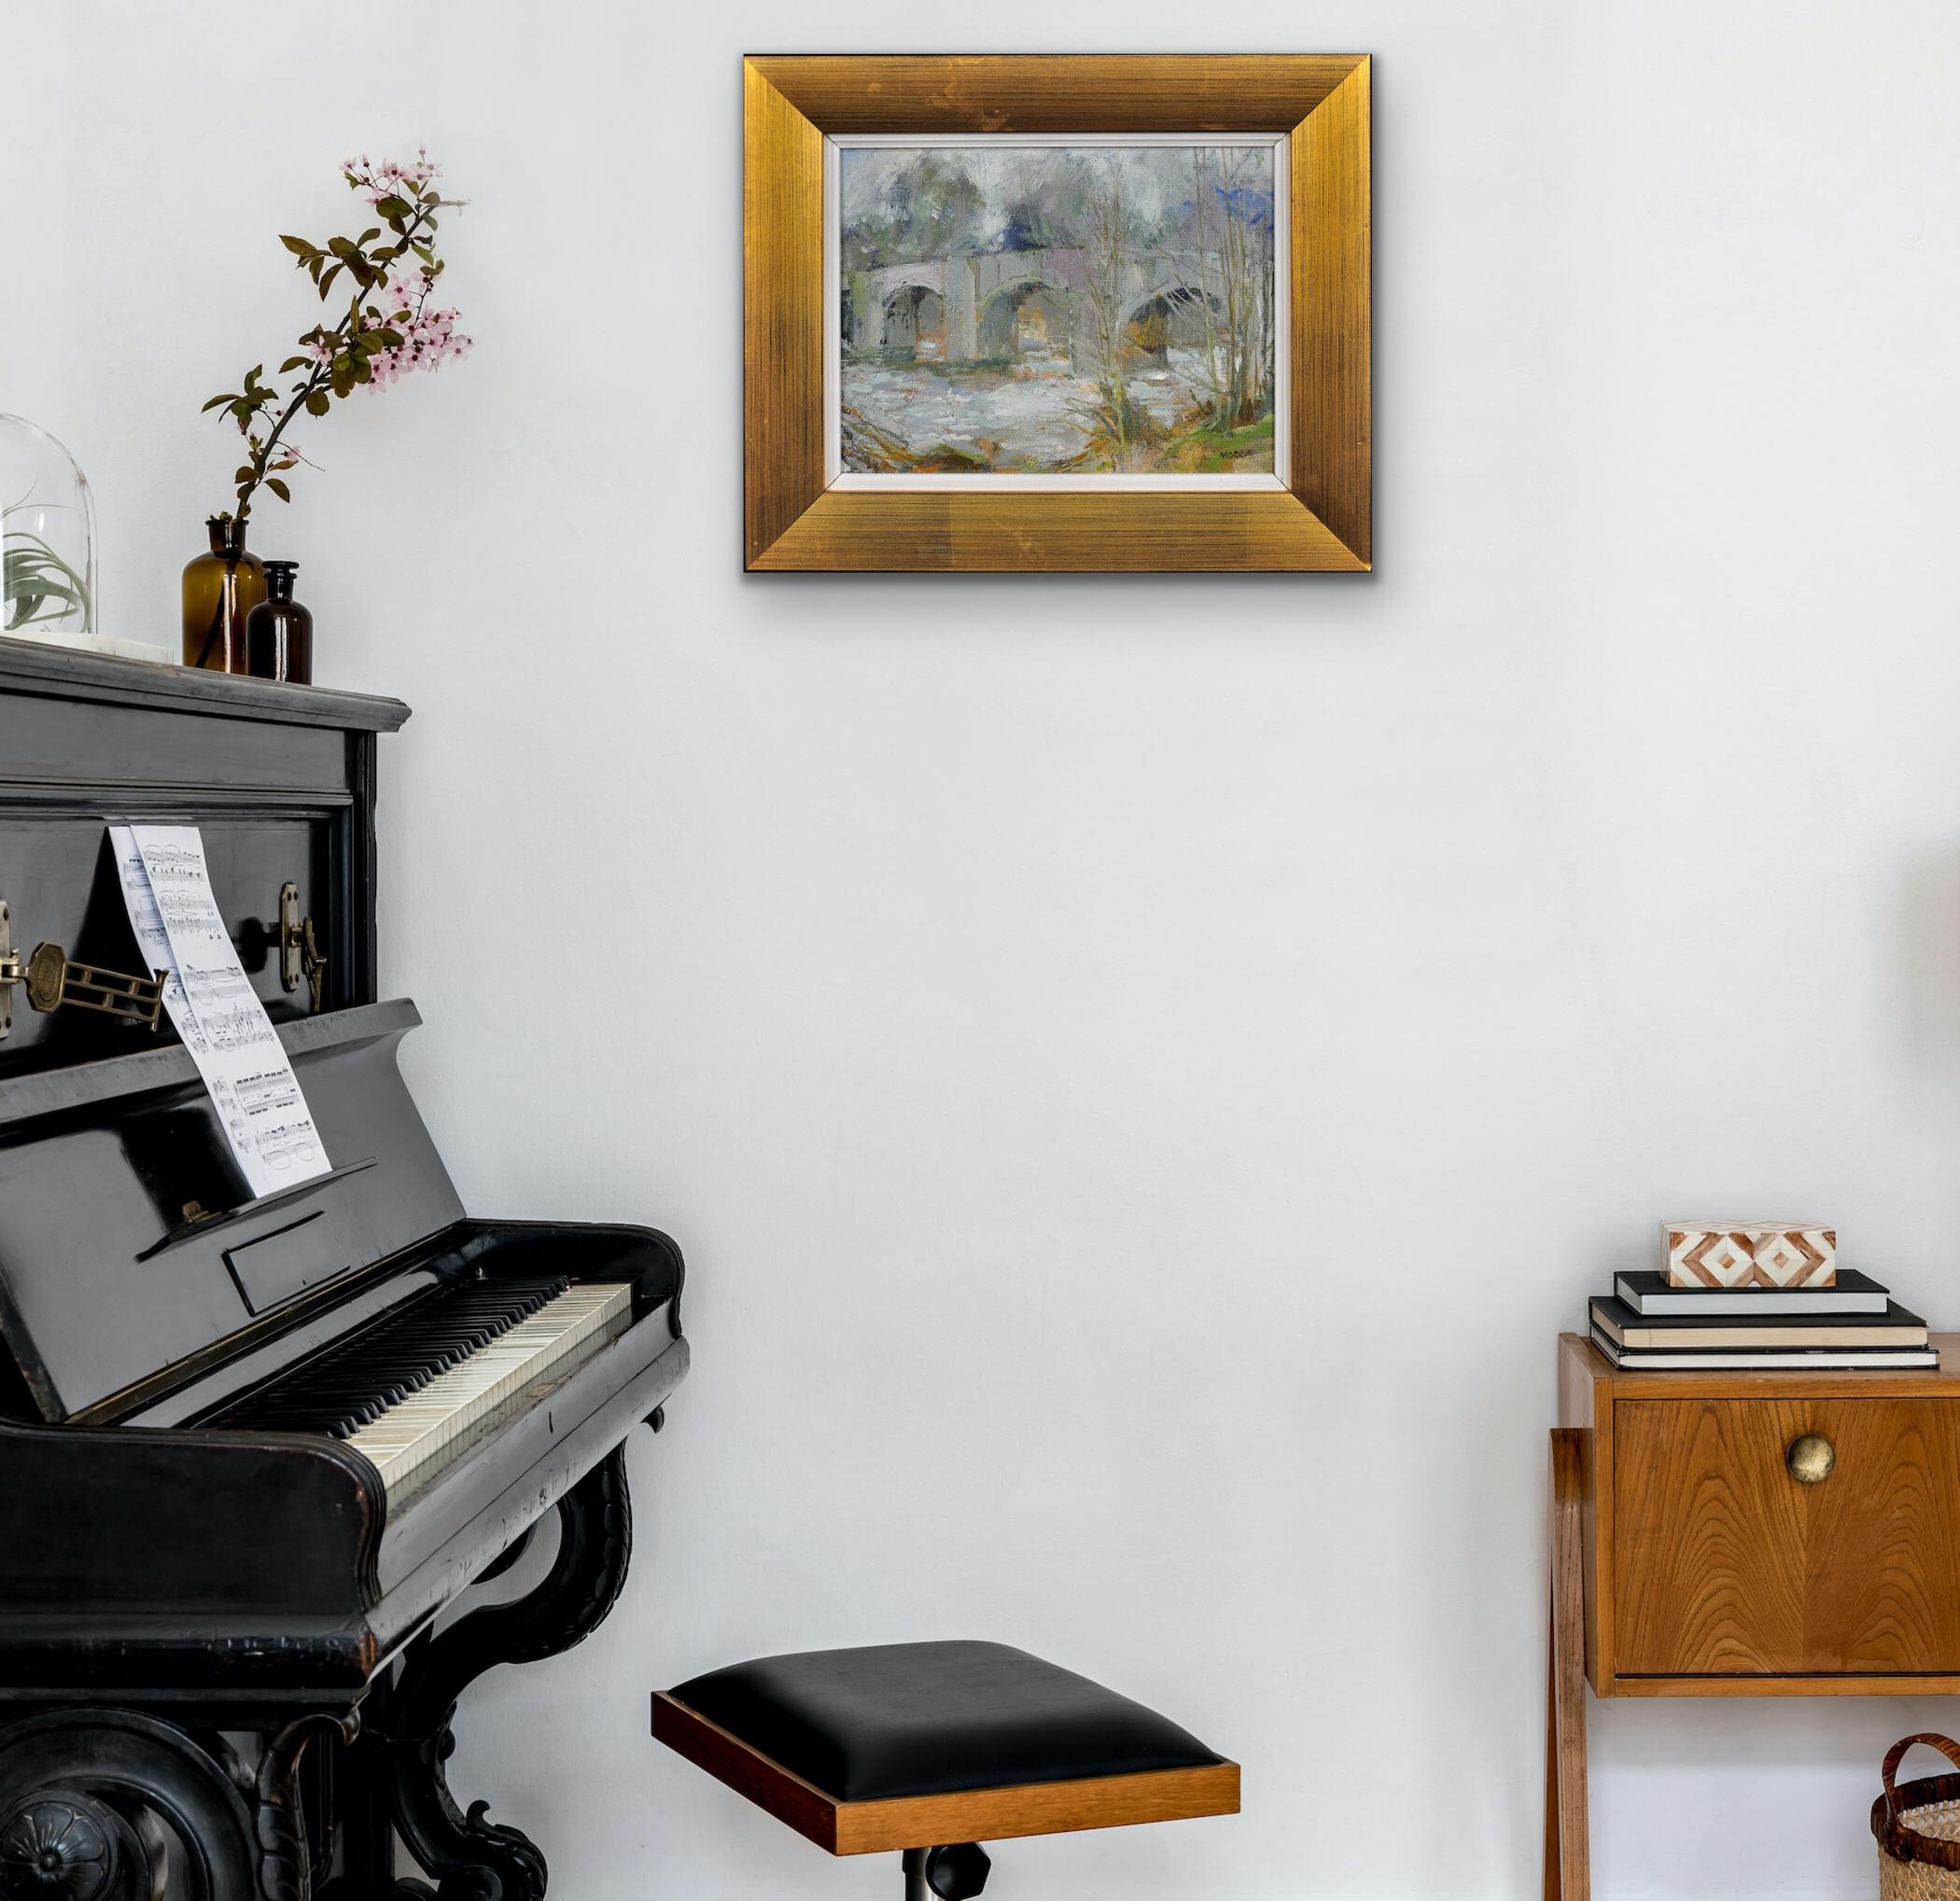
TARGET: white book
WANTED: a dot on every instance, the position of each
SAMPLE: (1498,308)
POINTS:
(1820,1358)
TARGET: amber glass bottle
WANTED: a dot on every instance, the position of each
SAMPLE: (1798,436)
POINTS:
(279,631)
(220,589)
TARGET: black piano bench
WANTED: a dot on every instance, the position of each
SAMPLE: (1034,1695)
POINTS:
(929,1748)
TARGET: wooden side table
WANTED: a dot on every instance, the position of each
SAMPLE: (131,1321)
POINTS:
(1743,1534)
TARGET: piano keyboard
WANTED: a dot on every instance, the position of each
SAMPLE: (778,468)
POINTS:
(411,1433)
(415,1384)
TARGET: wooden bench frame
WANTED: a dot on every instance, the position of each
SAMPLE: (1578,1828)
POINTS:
(928,1821)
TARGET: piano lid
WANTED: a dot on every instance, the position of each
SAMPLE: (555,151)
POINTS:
(131,1251)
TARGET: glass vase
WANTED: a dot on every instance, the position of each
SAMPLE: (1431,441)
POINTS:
(47,538)
(220,589)
(279,631)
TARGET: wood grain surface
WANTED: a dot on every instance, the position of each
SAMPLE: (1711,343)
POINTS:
(1701,1567)
(1055,93)
(782,313)
(1332,316)
(941,531)
(1568,1864)
(1322,521)
(1726,1565)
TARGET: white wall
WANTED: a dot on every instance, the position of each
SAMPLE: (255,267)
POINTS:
(1141,1070)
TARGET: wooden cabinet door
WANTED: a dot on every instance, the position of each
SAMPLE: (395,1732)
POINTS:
(1725,1565)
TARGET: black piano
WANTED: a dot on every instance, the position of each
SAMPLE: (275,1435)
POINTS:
(251,1447)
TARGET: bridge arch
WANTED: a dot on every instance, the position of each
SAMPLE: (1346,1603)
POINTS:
(1027,318)
(915,330)
(1173,314)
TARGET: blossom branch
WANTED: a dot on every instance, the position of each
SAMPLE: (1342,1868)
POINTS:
(388,331)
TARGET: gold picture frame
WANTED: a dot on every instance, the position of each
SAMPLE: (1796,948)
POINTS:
(1317,517)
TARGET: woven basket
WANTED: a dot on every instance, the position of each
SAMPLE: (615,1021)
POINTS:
(1918,1829)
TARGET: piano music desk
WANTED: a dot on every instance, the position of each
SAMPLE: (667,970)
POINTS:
(1697,1552)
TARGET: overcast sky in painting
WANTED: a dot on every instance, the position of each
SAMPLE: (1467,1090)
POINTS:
(1155,177)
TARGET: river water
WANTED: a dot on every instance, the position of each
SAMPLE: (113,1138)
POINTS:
(1014,418)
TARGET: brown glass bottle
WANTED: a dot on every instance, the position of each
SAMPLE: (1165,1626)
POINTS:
(220,589)
(279,631)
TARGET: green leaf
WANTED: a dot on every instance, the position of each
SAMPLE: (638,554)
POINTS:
(326,282)
(278,488)
(241,473)
(218,402)
(298,247)
(343,374)
(367,236)
(318,403)
(294,363)
(343,249)
(394,206)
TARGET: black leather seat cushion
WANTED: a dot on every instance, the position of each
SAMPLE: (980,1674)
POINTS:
(928,1719)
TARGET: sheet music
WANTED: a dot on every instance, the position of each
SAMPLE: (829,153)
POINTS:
(166,888)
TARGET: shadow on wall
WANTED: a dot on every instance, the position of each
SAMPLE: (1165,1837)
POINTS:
(1932,960)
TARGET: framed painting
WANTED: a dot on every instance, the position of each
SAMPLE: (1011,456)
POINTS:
(1056,313)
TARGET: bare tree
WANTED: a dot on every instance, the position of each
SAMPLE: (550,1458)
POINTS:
(1105,233)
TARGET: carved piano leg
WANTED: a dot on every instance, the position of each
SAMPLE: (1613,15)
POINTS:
(363,1809)
(110,1804)
(472,1859)
(284,1858)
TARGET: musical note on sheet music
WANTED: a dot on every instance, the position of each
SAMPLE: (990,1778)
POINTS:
(167,887)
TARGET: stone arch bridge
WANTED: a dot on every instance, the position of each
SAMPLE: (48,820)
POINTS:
(1020,304)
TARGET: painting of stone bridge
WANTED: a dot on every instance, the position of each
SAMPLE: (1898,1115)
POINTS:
(1041,310)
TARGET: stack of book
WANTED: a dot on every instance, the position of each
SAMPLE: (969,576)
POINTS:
(1649,1321)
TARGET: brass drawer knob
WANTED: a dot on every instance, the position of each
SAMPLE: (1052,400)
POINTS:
(1812,1459)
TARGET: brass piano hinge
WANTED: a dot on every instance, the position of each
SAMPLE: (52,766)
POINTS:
(52,980)
(298,948)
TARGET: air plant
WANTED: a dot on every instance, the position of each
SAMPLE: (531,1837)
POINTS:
(35,584)
(391,326)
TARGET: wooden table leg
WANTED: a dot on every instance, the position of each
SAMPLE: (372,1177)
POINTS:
(1568,1861)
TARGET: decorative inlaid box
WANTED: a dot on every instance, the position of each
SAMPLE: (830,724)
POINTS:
(1746,1253)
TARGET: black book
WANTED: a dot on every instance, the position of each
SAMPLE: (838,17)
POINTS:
(1627,1329)
(1648,1293)
(1801,1358)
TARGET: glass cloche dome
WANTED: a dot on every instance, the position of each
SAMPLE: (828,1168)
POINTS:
(47,536)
